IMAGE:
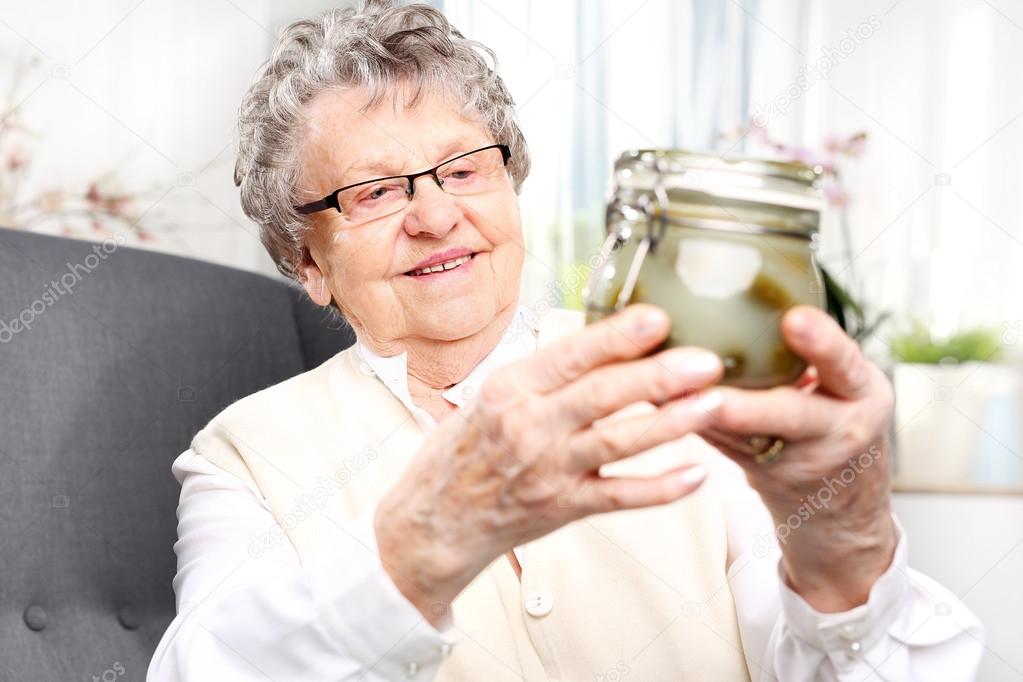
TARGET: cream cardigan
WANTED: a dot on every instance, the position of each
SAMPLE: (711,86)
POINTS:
(639,593)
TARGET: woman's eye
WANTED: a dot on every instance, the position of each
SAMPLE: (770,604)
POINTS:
(375,194)
(459,174)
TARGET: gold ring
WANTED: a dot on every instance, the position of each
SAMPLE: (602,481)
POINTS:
(768,449)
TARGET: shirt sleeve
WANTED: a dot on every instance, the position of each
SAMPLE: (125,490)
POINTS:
(247,609)
(911,628)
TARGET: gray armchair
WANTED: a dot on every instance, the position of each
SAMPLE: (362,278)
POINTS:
(109,364)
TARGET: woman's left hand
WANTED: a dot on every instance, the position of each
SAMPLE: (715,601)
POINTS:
(828,489)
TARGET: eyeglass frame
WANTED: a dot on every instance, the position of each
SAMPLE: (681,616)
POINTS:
(330,201)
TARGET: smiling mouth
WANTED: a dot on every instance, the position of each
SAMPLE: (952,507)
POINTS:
(452,264)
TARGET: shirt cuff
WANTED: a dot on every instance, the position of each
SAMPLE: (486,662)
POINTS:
(845,637)
(371,618)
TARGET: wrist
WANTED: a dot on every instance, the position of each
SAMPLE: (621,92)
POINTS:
(429,579)
(834,567)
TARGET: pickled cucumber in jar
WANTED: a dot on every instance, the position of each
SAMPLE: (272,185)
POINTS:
(723,245)
(724,291)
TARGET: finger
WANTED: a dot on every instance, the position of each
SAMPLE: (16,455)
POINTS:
(814,336)
(784,412)
(734,444)
(741,453)
(592,448)
(628,334)
(615,493)
(809,380)
(657,379)
(728,443)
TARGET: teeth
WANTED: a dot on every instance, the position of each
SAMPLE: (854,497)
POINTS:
(446,265)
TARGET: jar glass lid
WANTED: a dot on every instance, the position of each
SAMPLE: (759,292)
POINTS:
(682,173)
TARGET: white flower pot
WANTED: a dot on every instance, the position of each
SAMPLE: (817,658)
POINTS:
(958,427)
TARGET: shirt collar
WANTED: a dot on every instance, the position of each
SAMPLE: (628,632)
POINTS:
(518,341)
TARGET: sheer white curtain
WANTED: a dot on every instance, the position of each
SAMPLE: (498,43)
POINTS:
(592,78)
(934,197)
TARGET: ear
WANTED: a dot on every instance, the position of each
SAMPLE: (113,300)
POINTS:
(313,280)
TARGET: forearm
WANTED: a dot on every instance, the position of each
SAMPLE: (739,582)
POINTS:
(245,614)
(424,559)
(833,564)
(338,618)
(841,537)
(426,577)
(908,628)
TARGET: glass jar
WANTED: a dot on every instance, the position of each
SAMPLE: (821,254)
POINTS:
(724,245)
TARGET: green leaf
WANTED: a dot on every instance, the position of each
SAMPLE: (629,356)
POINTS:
(920,346)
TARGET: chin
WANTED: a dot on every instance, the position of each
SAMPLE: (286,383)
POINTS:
(453,320)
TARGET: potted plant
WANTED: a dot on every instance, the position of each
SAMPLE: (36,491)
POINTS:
(959,411)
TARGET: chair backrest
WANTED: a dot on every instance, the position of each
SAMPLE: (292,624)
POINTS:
(111,358)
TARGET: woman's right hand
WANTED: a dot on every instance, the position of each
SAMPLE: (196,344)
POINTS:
(523,458)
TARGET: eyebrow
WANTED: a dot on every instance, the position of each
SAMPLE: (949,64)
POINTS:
(380,168)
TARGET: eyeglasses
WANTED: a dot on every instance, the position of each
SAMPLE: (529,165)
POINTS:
(475,172)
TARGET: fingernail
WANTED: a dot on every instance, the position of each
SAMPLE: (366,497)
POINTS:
(649,323)
(710,401)
(692,475)
(798,323)
(700,362)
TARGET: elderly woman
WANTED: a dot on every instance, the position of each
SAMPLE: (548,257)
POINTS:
(474,492)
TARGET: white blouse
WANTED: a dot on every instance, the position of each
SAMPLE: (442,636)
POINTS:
(342,618)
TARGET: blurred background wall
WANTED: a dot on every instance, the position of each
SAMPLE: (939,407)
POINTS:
(119,117)
(141,97)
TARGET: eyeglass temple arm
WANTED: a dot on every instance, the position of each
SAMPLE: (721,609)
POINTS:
(319,205)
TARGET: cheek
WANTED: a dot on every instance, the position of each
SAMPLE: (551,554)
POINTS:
(500,223)
(507,259)
(360,258)
(513,245)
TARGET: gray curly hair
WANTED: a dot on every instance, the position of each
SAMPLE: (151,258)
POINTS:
(374,47)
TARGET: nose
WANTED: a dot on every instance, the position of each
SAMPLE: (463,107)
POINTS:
(432,212)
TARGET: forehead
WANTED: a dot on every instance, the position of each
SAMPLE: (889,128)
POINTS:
(346,141)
